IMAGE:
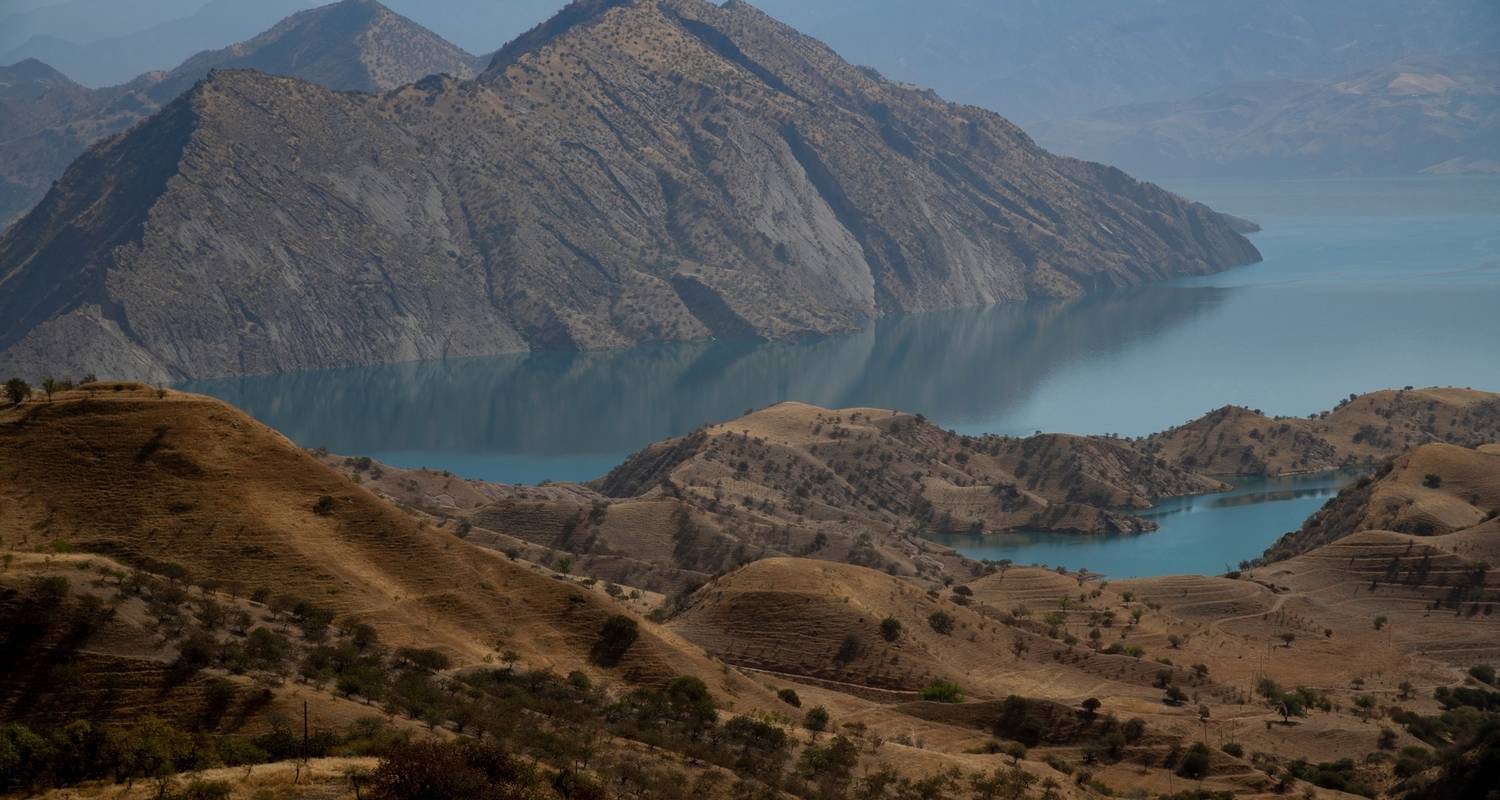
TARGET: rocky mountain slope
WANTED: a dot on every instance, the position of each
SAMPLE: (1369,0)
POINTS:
(352,45)
(627,172)
(1435,114)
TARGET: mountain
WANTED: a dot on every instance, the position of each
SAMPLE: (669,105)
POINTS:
(34,96)
(1040,60)
(35,100)
(103,44)
(353,45)
(1418,114)
(624,173)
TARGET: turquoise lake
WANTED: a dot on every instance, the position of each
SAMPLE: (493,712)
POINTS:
(1207,534)
(1366,284)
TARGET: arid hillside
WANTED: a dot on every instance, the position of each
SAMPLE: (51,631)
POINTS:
(1437,491)
(175,484)
(860,486)
(626,172)
(171,562)
(1361,431)
(887,468)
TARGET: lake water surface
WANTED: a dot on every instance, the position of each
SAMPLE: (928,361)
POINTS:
(1207,534)
(1366,284)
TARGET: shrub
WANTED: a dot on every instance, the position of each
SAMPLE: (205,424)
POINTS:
(1234,749)
(848,649)
(790,697)
(424,658)
(941,621)
(205,790)
(890,629)
(17,390)
(324,506)
(1483,673)
(457,770)
(1194,762)
(816,719)
(942,692)
(615,638)
(1432,480)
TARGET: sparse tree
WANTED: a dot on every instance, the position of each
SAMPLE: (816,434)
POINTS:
(17,390)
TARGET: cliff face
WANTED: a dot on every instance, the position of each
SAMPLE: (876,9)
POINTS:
(627,172)
(46,120)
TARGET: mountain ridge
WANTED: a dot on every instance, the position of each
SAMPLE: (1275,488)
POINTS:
(585,193)
(1420,114)
(353,45)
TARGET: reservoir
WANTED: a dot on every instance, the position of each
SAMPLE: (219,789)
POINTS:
(1366,284)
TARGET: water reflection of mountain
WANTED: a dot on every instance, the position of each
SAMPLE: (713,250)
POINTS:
(974,363)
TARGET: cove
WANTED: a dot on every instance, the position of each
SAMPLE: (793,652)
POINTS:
(1366,284)
(1200,535)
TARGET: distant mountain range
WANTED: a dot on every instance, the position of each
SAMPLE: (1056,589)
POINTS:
(625,172)
(1185,87)
(354,45)
(1438,115)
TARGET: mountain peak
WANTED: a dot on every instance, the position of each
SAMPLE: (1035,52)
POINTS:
(573,15)
(356,45)
(32,70)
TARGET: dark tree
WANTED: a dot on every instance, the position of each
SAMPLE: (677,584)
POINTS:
(616,637)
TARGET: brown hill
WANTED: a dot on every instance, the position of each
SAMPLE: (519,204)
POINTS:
(352,45)
(1361,431)
(889,469)
(1428,491)
(135,497)
(155,479)
(627,172)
